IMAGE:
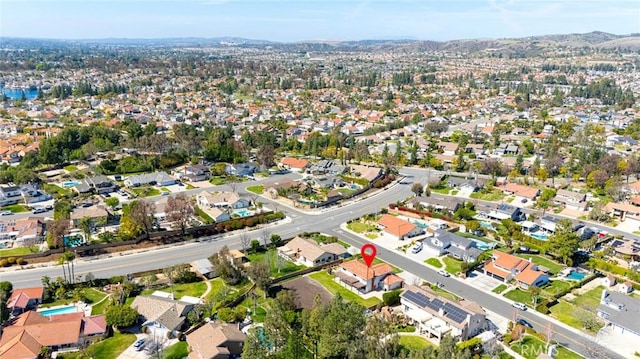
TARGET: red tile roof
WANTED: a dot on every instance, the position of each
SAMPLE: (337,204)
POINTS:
(396,226)
(361,270)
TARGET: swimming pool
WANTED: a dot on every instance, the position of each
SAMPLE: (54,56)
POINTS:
(542,237)
(243,212)
(575,275)
(61,310)
(480,244)
(420,224)
(486,224)
(70,183)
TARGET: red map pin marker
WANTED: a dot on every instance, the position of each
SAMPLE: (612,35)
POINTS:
(368,253)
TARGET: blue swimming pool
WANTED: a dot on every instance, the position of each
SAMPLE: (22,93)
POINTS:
(485,224)
(480,244)
(542,237)
(420,224)
(243,212)
(575,275)
(70,183)
(62,310)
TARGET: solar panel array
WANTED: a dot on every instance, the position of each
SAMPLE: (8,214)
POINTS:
(452,312)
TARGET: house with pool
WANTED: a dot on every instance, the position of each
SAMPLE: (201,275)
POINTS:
(160,313)
(506,267)
(455,246)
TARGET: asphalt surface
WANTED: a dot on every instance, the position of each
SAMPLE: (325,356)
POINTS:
(326,221)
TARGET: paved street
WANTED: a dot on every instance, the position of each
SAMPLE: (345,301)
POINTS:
(326,221)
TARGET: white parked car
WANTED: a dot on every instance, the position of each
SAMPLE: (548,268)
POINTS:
(519,305)
(416,247)
(444,273)
(5,213)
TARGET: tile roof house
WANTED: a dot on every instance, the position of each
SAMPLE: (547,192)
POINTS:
(521,191)
(357,275)
(161,314)
(94,212)
(152,179)
(437,316)
(309,253)
(505,267)
(215,341)
(398,228)
(23,299)
(23,231)
(295,163)
(620,312)
(30,332)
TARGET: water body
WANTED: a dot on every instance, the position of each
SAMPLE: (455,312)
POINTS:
(16,93)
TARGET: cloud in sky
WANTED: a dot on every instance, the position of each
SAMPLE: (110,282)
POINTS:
(295,20)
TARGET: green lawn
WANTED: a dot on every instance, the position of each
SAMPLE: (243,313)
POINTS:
(260,307)
(441,190)
(519,296)
(111,347)
(146,191)
(100,307)
(434,262)
(452,266)
(16,208)
(565,312)
(327,281)
(256,189)
(556,286)
(360,227)
(195,289)
(496,195)
(554,267)
(55,189)
(444,293)
(217,285)
(178,350)
(18,251)
(217,181)
(413,342)
(189,187)
(92,295)
(584,305)
(590,298)
(70,168)
(279,266)
(499,289)
(530,347)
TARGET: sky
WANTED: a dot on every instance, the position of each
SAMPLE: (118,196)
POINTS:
(304,20)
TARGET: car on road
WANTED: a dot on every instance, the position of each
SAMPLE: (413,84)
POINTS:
(38,210)
(416,247)
(139,344)
(525,323)
(519,305)
(165,193)
(444,273)
(5,213)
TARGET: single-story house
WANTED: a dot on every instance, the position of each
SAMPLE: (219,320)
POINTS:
(23,231)
(215,340)
(204,267)
(196,173)
(451,204)
(217,199)
(100,184)
(241,169)
(620,312)
(309,253)
(570,199)
(505,267)
(398,228)
(521,192)
(23,299)
(160,314)
(152,179)
(297,164)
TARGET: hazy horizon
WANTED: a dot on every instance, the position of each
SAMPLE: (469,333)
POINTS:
(317,20)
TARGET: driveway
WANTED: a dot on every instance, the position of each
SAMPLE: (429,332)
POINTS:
(482,281)
(131,353)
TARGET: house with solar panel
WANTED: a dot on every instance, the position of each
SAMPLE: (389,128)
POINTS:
(436,316)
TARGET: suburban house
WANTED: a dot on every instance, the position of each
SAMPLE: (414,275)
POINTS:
(218,199)
(453,245)
(215,341)
(296,164)
(366,172)
(160,313)
(218,215)
(437,316)
(623,211)
(324,167)
(448,148)
(521,192)
(241,169)
(464,183)
(10,195)
(196,173)
(309,253)
(621,313)
(33,195)
(30,332)
(450,204)
(97,214)
(23,231)
(627,247)
(570,199)
(505,267)
(100,184)
(24,299)
(151,179)
(237,258)
(505,211)
(357,275)
(398,228)
(506,149)
(204,267)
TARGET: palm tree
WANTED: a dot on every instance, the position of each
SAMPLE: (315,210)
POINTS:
(69,257)
(86,224)
(61,261)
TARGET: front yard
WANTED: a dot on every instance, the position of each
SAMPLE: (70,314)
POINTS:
(495,195)
(530,347)
(580,312)
(146,191)
(111,347)
(16,208)
(332,286)
(256,189)
(435,262)
(452,266)
(519,295)
(362,227)
(279,266)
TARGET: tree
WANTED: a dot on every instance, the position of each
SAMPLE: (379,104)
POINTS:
(244,241)
(260,274)
(180,209)
(417,189)
(275,240)
(564,242)
(233,182)
(142,213)
(112,202)
(535,293)
(265,155)
(86,225)
(148,280)
(56,231)
(6,289)
(121,315)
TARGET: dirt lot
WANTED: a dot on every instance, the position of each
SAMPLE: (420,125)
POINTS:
(306,290)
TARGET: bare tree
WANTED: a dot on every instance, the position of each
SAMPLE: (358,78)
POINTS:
(142,212)
(180,209)
(265,156)
(244,241)
(233,182)
(266,234)
(57,229)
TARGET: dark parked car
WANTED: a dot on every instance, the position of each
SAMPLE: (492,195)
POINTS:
(525,323)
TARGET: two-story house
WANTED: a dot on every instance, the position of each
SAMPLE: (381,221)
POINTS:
(621,313)
(359,276)
(453,245)
(309,253)
(196,173)
(571,200)
(23,299)
(100,184)
(10,195)
(437,316)
(448,148)
(161,314)
(506,211)
(505,267)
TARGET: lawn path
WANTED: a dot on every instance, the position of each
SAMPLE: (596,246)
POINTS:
(206,292)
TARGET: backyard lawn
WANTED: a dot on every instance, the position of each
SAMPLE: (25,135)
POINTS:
(581,308)
(496,195)
(92,295)
(16,208)
(556,286)
(452,266)
(279,266)
(441,190)
(554,267)
(519,296)
(111,347)
(18,251)
(327,281)
(146,191)
(590,298)
(256,189)
(55,189)
(195,289)
(413,342)
(360,227)
(530,347)
(434,262)
(70,168)
(217,286)
(178,350)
